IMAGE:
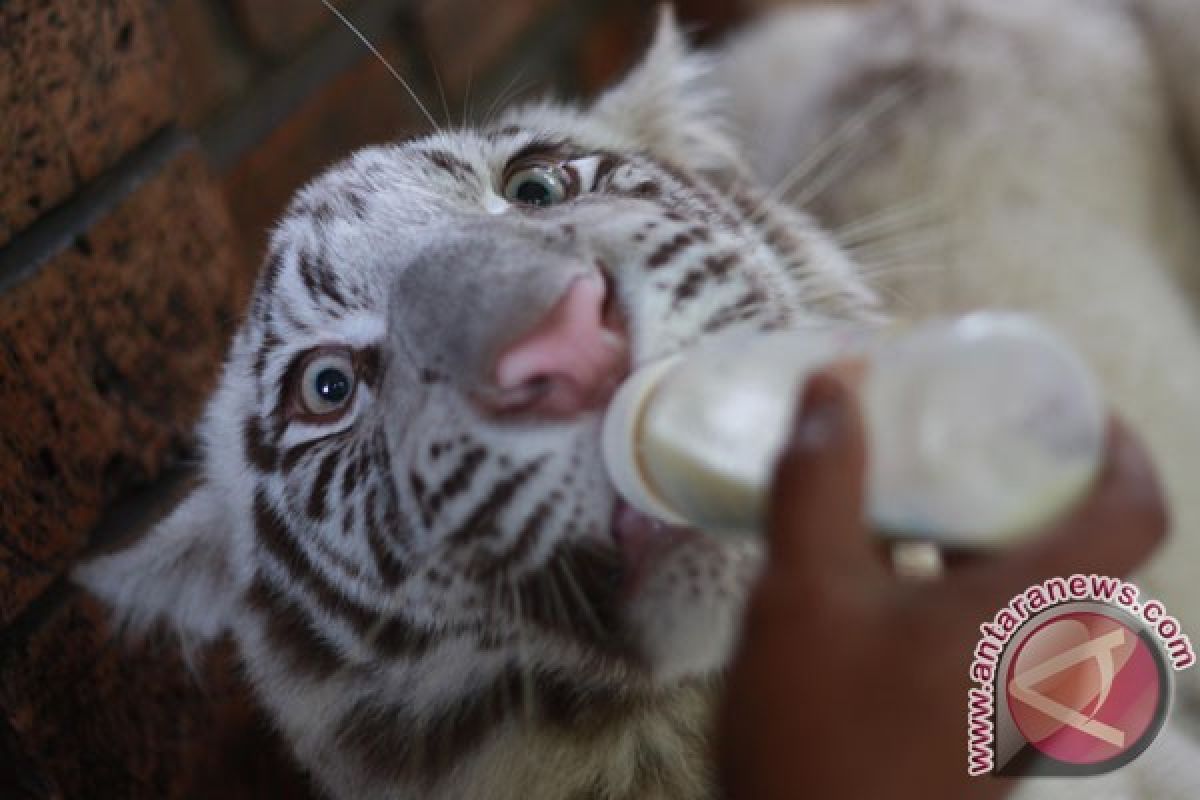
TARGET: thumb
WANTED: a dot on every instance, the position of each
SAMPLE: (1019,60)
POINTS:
(815,512)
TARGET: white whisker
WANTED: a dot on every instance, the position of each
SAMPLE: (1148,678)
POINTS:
(437,79)
(582,599)
(466,108)
(909,249)
(815,163)
(561,611)
(375,52)
(903,217)
(522,655)
(511,89)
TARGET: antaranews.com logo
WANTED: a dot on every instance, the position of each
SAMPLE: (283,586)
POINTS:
(1073,677)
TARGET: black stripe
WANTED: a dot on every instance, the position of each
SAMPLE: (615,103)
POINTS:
(481,521)
(647,189)
(668,249)
(608,162)
(417,484)
(688,287)
(391,568)
(355,199)
(270,277)
(507,130)
(392,635)
(577,594)
(293,455)
(309,276)
(487,569)
(750,206)
(318,498)
(259,452)
(292,633)
(745,307)
(269,343)
(702,192)
(720,265)
(274,534)
(459,479)
(396,637)
(392,744)
(450,163)
(322,212)
(544,147)
(369,365)
(350,475)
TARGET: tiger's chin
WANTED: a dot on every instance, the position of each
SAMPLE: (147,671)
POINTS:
(683,594)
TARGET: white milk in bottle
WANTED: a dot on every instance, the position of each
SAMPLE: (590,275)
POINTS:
(979,429)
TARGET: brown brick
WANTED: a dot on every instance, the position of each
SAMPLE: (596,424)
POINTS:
(466,37)
(35,166)
(91,80)
(280,26)
(22,777)
(211,65)
(105,355)
(118,717)
(612,45)
(362,106)
(615,43)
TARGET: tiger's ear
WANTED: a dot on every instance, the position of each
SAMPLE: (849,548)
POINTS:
(179,573)
(666,105)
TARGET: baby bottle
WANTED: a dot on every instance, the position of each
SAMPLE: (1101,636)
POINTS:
(979,429)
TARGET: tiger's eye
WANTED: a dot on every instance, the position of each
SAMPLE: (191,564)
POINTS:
(333,385)
(537,186)
(327,384)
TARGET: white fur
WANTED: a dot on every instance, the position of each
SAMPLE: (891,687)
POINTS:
(1042,130)
(137,578)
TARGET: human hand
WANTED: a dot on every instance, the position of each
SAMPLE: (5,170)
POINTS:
(850,682)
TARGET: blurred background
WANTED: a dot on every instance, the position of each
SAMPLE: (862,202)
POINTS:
(146,146)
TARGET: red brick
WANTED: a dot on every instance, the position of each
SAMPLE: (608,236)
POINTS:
(22,777)
(613,45)
(91,82)
(466,37)
(35,166)
(362,106)
(211,65)
(616,42)
(106,353)
(280,26)
(107,716)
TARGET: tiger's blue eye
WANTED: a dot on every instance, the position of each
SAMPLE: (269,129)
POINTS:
(333,385)
(537,186)
(327,384)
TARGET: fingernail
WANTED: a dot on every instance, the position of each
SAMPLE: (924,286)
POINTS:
(822,418)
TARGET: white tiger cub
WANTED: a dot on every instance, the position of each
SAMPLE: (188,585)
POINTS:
(403,519)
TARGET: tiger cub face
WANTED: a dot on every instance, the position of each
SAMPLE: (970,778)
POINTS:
(403,503)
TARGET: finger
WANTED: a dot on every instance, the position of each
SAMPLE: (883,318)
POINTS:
(1122,520)
(814,519)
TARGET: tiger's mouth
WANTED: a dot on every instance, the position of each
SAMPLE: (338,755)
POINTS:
(679,598)
(642,543)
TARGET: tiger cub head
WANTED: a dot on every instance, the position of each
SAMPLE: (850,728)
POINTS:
(402,487)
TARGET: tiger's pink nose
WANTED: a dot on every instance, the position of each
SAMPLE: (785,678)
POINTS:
(570,362)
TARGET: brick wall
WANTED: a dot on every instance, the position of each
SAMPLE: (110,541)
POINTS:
(145,148)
